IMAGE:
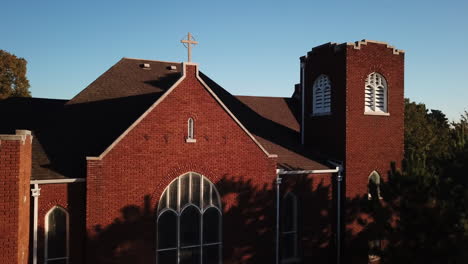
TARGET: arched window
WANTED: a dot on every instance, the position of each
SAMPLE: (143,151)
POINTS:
(375,94)
(56,236)
(189,222)
(321,95)
(190,131)
(373,187)
(289,228)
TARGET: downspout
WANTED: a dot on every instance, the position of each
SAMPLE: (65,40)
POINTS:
(279,172)
(35,193)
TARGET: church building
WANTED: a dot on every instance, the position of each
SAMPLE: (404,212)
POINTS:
(154,162)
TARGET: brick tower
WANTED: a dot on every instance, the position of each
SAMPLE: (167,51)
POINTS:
(353,111)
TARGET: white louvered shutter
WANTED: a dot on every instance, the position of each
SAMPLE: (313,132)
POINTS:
(375,99)
(322,95)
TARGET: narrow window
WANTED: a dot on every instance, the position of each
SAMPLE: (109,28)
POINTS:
(373,187)
(189,227)
(289,228)
(190,131)
(374,249)
(375,98)
(56,236)
(321,95)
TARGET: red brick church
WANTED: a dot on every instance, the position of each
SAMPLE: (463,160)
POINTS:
(154,162)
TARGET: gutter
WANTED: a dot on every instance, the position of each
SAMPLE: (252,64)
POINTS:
(339,170)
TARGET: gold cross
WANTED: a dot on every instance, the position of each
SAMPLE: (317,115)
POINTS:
(187,43)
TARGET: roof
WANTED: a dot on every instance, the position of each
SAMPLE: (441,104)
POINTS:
(130,77)
(66,132)
(274,121)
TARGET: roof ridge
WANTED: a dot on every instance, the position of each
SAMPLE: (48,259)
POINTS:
(127,58)
(262,96)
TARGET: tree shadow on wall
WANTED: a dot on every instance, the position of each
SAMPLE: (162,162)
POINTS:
(248,225)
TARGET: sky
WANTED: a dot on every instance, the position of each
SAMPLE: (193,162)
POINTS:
(248,47)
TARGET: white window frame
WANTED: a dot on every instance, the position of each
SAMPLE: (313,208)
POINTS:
(190,131)
(326,88)
(46,246)
(374,81)
(295,258)
(179,208)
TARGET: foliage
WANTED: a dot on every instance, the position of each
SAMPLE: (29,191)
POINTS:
(430,195)
(13,81)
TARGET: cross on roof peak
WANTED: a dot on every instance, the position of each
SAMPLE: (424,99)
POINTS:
(188,44)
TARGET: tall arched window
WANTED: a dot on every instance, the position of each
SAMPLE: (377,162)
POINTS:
(289,230)
(375,94)
(373,187)
(56,236)
(189,222)
(321,95)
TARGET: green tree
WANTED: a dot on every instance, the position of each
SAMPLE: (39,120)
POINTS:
(430,195)
(13,81)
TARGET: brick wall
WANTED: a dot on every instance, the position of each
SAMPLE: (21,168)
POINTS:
(372,142)
(15,173)
(326,133)
(363,142)
(124,187)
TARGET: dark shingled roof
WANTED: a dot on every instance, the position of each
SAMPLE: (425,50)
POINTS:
(66,132)
(274,121)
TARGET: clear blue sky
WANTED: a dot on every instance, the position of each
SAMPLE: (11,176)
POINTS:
(249,47)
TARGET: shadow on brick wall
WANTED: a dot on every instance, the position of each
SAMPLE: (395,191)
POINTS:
(248,225)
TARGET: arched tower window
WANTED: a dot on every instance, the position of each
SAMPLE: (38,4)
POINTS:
(190,131)
(373,187)
(56,236)
(189,222)
(375,94)
(321,95)
(289,230)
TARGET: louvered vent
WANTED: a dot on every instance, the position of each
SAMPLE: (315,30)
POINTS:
(322,95)
(375,93)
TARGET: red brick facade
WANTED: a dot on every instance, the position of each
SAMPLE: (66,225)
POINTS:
(362,142)
(113,211)
(155,151)
(15,174)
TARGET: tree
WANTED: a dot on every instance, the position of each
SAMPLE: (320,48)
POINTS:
(13,81)
(430,196)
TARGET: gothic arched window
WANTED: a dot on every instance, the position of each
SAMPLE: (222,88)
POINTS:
(190,131)
(373,187)
(189,222)
(375,94)
(289,230)
(321,103)
(56,236)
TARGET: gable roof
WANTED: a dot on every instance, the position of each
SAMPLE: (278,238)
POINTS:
(274,123)
(130,77)
(66,132)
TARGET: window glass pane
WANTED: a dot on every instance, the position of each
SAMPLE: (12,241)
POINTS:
(190,227)
(57,261)
(167,256)
(57,234)
(163,201)
(211,254)
(173,195)
(288,213)
(215,199)
(196,189)
(184,189)
(190,255)
(289,245)
(206,193)
(167,230)
(211,219)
